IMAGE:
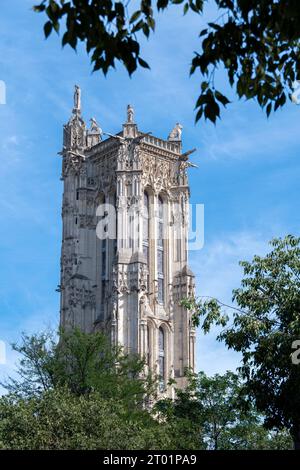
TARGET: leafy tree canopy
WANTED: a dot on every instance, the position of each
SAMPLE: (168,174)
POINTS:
(224,413)
(81,394)
(58,419)
(81,362)
(264,327)
(256,43)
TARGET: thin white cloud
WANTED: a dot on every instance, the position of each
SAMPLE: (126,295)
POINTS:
(216,266)
(237,138)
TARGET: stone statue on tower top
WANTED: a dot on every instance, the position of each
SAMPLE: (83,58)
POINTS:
(77,98)
(130,114)
(176,133)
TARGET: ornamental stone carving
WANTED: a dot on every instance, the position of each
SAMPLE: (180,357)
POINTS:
(156,173)
(80,297)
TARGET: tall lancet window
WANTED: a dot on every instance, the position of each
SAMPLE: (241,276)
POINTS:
(103,255)
(161,358)
(115,240)
(148,345)
(146,227)
(160,251)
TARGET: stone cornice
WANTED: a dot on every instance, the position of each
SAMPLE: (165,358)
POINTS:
(159,152)
(103,148)
(149,143)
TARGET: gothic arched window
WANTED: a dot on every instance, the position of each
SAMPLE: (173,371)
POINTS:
(115,240)
(161,358)
(160,251)
(149,345)
(103,256)
(146,227)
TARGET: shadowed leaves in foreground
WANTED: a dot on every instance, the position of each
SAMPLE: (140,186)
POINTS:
(256,43)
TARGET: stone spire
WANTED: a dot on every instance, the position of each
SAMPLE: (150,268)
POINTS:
(75,129)
(130,129)
(94,134)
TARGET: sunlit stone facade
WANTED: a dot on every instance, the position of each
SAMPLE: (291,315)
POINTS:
(127,274)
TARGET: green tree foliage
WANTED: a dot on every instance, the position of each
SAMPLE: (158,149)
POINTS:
(183,415)
(223,413)
(264,327)
(256,43)
(82,363)
(79,393)
(58,419)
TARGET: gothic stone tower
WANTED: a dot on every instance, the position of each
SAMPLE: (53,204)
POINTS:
(126,275)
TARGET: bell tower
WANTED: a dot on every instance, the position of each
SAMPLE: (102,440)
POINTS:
(124,266)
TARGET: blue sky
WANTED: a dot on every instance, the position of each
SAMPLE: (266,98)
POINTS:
(248,175)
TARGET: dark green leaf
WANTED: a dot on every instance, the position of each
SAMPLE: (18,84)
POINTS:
(47,28)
